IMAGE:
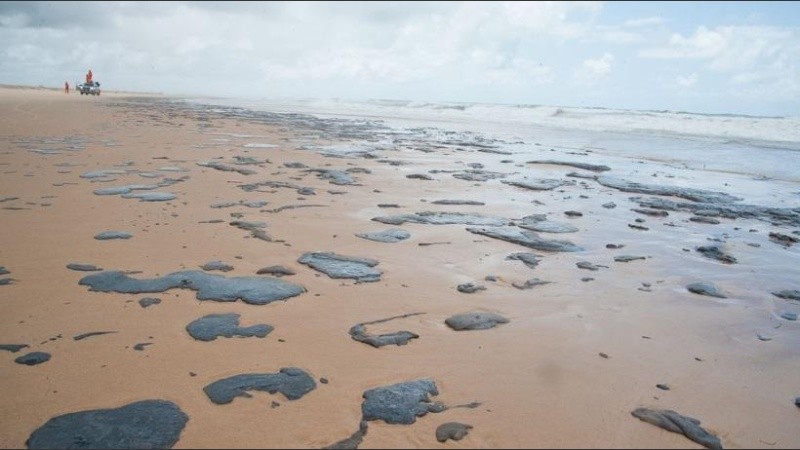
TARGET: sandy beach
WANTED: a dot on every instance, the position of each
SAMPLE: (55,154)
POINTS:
(577,355)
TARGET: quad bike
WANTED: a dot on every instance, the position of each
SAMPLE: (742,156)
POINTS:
(89,88)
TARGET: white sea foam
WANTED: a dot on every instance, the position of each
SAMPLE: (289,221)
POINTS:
(749,145)
(783,132)
(257,145)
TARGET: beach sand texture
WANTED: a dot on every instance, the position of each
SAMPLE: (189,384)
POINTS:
(246,191)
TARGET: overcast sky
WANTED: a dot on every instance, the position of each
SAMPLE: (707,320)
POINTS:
(716,57)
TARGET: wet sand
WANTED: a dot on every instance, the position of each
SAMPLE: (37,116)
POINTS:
(540,379)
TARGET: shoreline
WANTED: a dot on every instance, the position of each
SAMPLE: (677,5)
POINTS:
(61,89)
(539,377)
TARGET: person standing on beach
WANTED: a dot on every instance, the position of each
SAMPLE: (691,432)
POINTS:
(66,87)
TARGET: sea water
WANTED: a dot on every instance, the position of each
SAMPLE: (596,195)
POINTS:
(753,157)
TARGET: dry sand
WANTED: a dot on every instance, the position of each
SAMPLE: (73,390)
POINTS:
(540,378)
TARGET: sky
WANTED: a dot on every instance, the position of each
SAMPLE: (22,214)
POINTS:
(708,57)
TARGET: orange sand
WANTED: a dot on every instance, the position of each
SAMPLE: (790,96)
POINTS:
(539,378)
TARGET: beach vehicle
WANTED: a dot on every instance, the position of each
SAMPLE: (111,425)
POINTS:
(89,88)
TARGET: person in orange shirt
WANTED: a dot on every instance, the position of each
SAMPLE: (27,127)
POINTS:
(89,77)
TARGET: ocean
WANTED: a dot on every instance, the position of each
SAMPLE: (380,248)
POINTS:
(763,147)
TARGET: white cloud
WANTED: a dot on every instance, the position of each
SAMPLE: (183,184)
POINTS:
(600,66)
(645,22)
(686,81)
(494,51)
(15,20)
(549,17)
(483,40)
(521,71)
(381,42)
(592,70)
(747,78)
(730,47)
(615,35)
(357,64)
(705,44)
(760,61)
